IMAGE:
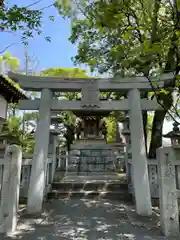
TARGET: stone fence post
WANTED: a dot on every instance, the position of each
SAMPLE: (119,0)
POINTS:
(54,157)
(10,189)
(169,214)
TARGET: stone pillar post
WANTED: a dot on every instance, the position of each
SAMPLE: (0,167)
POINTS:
(39,162)
(126,133)
(11,188)
(54,157)
(139,159)
(169,212)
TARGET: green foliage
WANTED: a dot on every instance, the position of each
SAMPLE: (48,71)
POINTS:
(66,73)
(17,130)
(25,20)
(149,123)
(129,37)
(113,36)
(8,62)
(111,129)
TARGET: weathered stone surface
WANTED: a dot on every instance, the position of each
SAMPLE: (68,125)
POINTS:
(169,213)
(85,161)
(90,94)
(10,190)
(139,159)
(39,163)
(153,181)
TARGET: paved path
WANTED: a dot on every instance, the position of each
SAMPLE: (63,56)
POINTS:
(83,219)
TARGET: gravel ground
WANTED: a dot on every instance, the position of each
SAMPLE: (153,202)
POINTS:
(87,219)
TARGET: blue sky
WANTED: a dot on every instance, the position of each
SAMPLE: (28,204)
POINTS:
(58,53)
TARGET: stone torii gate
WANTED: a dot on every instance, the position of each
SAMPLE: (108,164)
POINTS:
(90,91)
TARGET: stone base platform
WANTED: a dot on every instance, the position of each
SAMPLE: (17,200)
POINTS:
(89,144)
(90,158)
(95,177)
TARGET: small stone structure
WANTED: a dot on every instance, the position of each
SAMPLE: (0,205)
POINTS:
(91,158)
(90,154)
(164,180)
(169,212)
(10,190)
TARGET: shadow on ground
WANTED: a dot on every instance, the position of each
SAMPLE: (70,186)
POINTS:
(87,219)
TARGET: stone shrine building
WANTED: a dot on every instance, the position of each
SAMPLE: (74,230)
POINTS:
(90,152)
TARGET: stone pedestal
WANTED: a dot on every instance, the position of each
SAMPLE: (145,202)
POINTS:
(10,190)
(89,143)
(54,157)
(90,157)
(62,162)
(169,212)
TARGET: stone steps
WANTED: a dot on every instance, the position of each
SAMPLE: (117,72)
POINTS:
(113,195)
(59,174)
(89,186)
(106,186)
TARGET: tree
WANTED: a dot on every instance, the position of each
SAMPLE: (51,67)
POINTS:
(27,20)
(130,38)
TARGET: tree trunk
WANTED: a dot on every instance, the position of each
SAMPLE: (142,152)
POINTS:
(171,65)
(145,119)
(156,137)
(157,127)
(144,115)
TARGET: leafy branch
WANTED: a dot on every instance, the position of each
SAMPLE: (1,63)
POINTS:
(23,19)
(10,45)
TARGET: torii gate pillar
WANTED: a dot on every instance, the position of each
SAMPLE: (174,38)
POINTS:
(139,159)
(38,171)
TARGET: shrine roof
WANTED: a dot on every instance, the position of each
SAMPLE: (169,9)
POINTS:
(10,90)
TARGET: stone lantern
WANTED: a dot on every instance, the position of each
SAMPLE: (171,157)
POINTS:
(174,135)
(126,131)
(127,134)
(53,133)
(125,122)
